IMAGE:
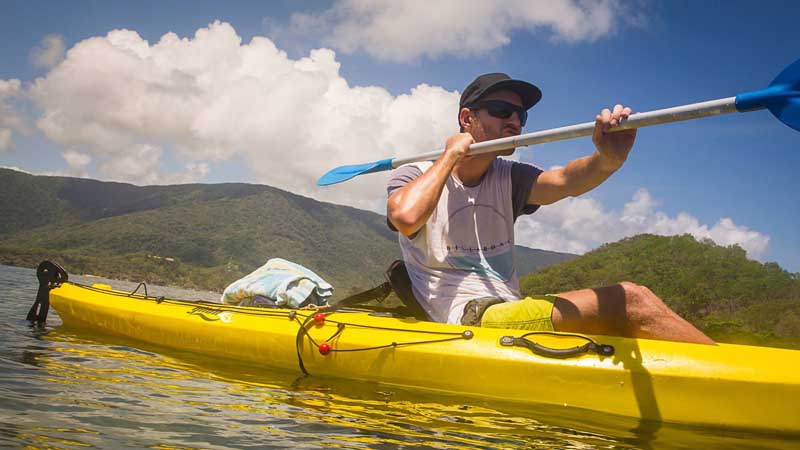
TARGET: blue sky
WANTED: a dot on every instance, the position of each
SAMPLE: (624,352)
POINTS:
(730,178)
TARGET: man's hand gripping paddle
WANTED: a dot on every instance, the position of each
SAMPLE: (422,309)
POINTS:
(781,98)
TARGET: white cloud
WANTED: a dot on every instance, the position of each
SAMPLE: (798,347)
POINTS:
(213,98)
(10,119)
(577,225)
(9,88)
(77,162)
(143,165)
(725,232)
(404,31)
(5,140)
(76,159)
(49,53)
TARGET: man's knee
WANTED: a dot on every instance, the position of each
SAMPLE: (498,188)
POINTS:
(630,288)
(641,303)
(638,294)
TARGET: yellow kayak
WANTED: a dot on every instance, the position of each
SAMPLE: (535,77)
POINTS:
(730,386)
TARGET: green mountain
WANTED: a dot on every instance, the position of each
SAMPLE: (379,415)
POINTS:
(200,236)
(729,297)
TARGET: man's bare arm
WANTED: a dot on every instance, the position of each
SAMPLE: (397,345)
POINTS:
(409,207)
(584,174)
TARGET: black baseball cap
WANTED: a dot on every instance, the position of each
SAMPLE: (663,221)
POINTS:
(491,82)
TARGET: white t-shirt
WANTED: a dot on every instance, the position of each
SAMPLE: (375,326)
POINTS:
(466,248)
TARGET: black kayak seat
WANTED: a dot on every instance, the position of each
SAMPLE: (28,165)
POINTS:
(397,276)
(397,281)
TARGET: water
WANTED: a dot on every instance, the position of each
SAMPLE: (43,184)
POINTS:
(68,388)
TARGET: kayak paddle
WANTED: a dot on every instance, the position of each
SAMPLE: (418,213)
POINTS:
(781,98)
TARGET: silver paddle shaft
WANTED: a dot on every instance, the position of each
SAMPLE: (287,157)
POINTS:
(638,120)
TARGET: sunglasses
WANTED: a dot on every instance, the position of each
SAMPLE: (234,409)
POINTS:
(501,110)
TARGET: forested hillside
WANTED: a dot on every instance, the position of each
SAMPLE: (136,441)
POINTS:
(201,236)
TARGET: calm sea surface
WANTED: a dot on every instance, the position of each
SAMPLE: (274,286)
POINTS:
(68,388)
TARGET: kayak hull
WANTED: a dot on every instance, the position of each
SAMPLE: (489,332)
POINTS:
(723,385)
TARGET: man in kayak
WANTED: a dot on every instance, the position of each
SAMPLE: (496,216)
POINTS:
(456,215)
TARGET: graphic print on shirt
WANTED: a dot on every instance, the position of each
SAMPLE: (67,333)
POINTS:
(490,255)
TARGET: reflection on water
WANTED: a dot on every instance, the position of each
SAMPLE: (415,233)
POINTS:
(149,398)
(69,388)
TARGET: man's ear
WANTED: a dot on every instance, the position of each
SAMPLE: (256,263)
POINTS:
(465,118)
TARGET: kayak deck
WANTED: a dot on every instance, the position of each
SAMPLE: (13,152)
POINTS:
(723,385)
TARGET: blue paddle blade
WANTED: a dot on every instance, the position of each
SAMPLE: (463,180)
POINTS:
(788,110)
(344,173)
(781,98)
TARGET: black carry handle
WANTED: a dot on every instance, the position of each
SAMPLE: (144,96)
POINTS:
(50,275)
(561,353)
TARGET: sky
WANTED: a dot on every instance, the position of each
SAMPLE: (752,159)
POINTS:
(166,92)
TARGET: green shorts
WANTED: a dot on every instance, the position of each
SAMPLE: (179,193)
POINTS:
(531,313)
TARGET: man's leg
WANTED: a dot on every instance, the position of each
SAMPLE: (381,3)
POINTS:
(624,309)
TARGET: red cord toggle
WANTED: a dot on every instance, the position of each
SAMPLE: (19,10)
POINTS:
(324,348)
(319,318)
